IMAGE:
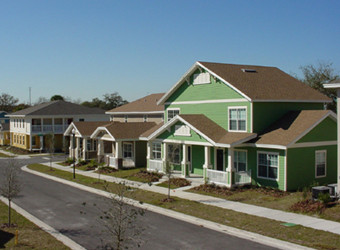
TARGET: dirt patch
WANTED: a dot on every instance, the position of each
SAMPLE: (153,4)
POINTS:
(308,206)
(148,176)
(106,170)
(178,182)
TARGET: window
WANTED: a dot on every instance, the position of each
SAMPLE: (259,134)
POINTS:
(23,140)
(240,161)
(267,165)
(237,119)
(145,118)
(33,141)
(174,153)
(320,163)
(201,78)
(81,119)
(127,150)
(172,113)
(88,144)
(156,150)
(125,118)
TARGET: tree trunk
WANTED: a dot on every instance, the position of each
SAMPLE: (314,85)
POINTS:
(9,213)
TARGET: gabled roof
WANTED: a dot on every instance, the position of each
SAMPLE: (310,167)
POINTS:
(208,129)
(58,108)
(147,104)
(85,129)
(292,127)
(124,130)
(256,83)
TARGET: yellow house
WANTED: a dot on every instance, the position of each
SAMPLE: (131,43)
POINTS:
(4,134)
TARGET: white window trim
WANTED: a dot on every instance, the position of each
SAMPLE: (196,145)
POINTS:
(237,107)
(167,112)
(215,159)
(132,151)
(321,176)
(152,150)
(241,150)
(278,165)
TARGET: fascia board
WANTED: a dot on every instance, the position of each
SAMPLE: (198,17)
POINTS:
(271,146)
(177,84)
(99,129)
(243,140)
(331,85)
(329,113)
(134,112)
(15,116)
(299,101)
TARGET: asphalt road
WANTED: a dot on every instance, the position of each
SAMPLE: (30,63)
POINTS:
(60,206)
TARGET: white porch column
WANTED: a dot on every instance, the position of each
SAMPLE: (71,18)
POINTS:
(164,158)
(119,149)
(206,160)
(30,138)
(77,147)
(84,148)
(230,168)
(71,147)
(148,150)
(100,146)
(184,160)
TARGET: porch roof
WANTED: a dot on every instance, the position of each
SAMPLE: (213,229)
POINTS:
(208,129)
(124,130)
(292,127)
(85,129)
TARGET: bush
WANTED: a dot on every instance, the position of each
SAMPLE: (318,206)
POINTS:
(69,161)
(325,198)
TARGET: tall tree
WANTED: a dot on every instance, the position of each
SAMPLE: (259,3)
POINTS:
(57,97)
(7,102)
(110,101)
(317,75)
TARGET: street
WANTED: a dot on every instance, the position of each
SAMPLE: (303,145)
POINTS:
(60,206)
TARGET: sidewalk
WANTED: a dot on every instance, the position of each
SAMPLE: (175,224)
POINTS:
(278,215)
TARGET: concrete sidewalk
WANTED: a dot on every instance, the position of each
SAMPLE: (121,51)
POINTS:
(278,215)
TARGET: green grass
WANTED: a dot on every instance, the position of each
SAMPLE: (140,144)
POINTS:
(4,155)
(298,234)
(255,197)
(129,174)
(30,236)
(165,184)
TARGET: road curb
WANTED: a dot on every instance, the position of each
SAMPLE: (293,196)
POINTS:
(187,218)
(48,229)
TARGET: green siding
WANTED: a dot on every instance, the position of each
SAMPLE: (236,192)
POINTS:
(252,165)
(301,167)
(325,131)
(170,135)
(217,112)
(265,113)
(197,159)
(214,90)
(140,153)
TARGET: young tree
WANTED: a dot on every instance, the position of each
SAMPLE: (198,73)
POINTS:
(316,76)
(10,184)
(50,141)
(173,157)
(120,220)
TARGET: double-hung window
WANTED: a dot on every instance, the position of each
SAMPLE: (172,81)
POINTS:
(172,113)
(240,161)
(268,165)
(156,150)
(320,163)
(127,150)
(237,119)
(174,153)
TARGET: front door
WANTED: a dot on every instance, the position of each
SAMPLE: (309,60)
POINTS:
(219,159)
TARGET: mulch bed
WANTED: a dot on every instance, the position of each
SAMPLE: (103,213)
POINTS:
(308,206)
(148,176)
(106,170)
(218,190)
(179,182)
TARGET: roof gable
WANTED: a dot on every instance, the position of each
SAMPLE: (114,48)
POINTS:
(255,83)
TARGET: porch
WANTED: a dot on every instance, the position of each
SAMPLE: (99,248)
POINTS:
(50,125)
(222,166)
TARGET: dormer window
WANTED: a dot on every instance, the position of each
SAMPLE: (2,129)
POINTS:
(201,78)
(238,119)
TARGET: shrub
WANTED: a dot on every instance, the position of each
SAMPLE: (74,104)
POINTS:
(325,198)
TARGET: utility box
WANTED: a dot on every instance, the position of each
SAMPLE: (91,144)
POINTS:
(320,189)
(333,189)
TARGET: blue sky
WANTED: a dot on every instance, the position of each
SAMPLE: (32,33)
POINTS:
(84,49)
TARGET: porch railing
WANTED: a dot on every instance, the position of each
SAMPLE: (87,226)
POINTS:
(36,128)
(218,177)
(156,165)
(112,161)
(243,177)
(49,128)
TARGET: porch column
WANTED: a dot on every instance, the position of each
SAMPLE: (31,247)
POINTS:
(30,138)
(77,147)
(71,147)
(84,148)
(119,157)
(148,154)
(206,160)
(184,161)
(164,158)
(230,168)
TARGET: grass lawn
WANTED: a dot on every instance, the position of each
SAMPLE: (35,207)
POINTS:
(30,235)
(296,234)
(4,155)
(275,200)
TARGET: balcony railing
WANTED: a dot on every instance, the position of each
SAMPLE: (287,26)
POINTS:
(155,165)
(49,128)
(242,178)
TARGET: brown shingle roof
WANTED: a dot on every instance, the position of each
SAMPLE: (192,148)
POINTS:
(59,108)
(87,128)
(214,131)
(128,130)
(145,104)
(267,83)
(290,127)
(151,130)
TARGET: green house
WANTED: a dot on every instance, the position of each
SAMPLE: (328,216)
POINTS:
(240,124)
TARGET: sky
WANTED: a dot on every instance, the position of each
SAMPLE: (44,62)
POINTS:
(83,49)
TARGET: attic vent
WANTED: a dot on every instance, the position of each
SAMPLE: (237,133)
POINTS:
(249,70)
